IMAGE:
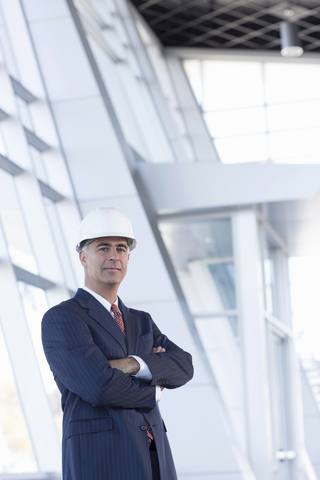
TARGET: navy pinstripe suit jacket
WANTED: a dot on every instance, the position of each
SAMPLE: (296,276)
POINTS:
(104,436)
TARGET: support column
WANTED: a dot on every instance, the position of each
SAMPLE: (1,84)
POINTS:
(253,342)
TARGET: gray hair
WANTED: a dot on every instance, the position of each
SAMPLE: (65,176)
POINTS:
(84,244)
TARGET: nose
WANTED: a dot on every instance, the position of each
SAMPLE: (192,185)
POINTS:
(114,255)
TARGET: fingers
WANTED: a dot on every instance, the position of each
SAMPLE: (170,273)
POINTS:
(158,350)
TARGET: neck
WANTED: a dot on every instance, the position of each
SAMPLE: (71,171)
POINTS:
(109,294)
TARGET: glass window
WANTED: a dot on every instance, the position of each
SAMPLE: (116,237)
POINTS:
(247,148)
(57,232)
(293,116)
(223,277)
(24,114)
(236,122)
(15,445)
(197,239)
(202,254)
(3,150)
(213,330)
(269,284)
(219,337)
(13,225)
(232,84)
(35,305)
(294,82)
(305,280)
(38,164)
(280,401)
(294,143)
(259,111)
(201,250)
(269,248)
(194,72)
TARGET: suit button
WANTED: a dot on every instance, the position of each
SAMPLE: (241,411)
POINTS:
(143,427)
(161,381)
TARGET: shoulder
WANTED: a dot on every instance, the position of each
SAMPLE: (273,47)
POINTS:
(66,305)
(79,303)
(65,324)
(68,311)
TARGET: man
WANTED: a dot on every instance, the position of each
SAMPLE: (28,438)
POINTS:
(111,363)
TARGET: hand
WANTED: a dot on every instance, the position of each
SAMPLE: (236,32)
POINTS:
(126,365)
(158,350)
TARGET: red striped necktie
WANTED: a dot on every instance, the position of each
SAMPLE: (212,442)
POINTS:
(118,318)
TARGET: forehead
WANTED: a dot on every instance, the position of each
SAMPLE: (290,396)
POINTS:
(114,241)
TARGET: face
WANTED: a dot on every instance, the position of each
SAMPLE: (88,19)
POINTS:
(105,263)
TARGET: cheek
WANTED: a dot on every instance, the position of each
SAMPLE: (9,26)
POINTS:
(124,268)
(93,266)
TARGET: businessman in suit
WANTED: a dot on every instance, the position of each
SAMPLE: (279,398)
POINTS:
(111,364)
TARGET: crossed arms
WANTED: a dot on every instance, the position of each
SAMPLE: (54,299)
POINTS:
(81,366)
(130,365)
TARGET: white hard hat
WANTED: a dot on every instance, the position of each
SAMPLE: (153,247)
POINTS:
(105,222)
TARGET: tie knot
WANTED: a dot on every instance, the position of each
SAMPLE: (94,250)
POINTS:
(115,309)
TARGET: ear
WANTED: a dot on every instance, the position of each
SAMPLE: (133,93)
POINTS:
(82,258)
(128,256)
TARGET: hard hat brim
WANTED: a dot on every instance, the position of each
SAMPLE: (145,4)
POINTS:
(132,241)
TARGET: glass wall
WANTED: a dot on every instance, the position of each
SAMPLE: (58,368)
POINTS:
(268,248)
(281,405)
(127,77)
(16,452)
(35,305)
(305,280)
(203,247)
(259,111)
(13,224)
(36,204)
(202,254)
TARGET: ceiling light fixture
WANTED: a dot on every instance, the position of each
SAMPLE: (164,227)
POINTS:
(290,42)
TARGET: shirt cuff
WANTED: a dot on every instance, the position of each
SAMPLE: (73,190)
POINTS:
(158,393)
(144,372)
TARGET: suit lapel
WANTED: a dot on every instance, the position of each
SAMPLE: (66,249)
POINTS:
(101,315)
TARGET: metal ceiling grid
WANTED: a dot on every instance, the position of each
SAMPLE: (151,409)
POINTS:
(241,24)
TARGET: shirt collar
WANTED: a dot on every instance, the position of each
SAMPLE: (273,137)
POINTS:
(100,299)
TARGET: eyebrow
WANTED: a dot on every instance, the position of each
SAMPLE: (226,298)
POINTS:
(106,244)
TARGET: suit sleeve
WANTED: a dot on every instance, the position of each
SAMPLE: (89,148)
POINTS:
(170,369)
(83,369)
